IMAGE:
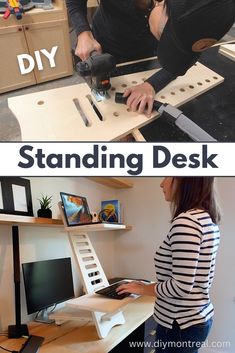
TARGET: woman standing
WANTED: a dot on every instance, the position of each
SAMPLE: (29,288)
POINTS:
(185,264)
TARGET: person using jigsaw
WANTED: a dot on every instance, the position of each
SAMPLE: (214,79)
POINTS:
(177,30)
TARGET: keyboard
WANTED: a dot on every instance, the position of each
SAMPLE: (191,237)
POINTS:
(110,291)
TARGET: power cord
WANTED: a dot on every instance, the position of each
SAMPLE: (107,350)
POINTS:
(8,350)
(55,305)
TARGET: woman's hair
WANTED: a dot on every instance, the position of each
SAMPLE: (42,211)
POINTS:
(167,6)
(195,193)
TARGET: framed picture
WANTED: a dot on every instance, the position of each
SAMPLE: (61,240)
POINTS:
(76,209)
(110,211)
(15,196)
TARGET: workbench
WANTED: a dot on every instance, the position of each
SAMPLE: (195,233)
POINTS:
(81,336)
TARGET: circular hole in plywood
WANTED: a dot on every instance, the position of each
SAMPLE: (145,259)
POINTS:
(173,93)
(191,86)
(40,102)
(182,90)
(199,83)
(134,82)
(116,114)
(113,89)
(128,110)
(207,80)
(215,78)
(124,85)
(163,97)
(144,79)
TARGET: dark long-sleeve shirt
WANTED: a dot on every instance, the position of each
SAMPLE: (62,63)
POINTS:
(122,30)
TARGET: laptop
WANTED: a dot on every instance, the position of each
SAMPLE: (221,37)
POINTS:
(76,210)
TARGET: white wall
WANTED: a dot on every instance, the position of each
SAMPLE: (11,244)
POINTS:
(146,209)
(43,243)
(223,290)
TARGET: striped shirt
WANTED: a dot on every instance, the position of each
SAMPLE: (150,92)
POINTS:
(185,265)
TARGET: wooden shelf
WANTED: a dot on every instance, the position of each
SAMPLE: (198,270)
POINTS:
(98,227)
(8,219)
(113,182)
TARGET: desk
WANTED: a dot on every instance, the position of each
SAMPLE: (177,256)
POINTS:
(75,336)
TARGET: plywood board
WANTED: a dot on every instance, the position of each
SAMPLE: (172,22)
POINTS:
(69,313)
(53,115)
(96,227)
(92,3)
(9,219)
(228,50)
(96,302)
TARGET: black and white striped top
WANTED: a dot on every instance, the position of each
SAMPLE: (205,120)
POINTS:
(185,265)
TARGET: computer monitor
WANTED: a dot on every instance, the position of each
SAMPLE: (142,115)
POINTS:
(47,283)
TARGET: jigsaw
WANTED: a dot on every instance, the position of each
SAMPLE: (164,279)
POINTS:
(98,67)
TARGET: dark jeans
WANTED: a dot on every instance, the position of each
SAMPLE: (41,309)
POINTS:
(176,340)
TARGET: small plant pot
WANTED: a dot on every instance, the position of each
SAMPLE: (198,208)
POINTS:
(45,213)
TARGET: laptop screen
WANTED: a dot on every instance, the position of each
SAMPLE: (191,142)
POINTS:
(76,209)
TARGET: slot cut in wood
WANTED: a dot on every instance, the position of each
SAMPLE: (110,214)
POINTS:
(96,110)
(81,112)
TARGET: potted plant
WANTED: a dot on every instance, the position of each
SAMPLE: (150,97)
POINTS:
(45,210)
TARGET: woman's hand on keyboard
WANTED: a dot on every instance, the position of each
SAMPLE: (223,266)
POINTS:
(136,287)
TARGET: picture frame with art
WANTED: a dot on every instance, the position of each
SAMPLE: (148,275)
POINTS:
(110,211)
(15,196)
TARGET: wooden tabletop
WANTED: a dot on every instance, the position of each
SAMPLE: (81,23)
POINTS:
(81,336)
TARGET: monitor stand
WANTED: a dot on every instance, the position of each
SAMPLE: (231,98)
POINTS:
(43,316)
(19,329)
(92,275)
